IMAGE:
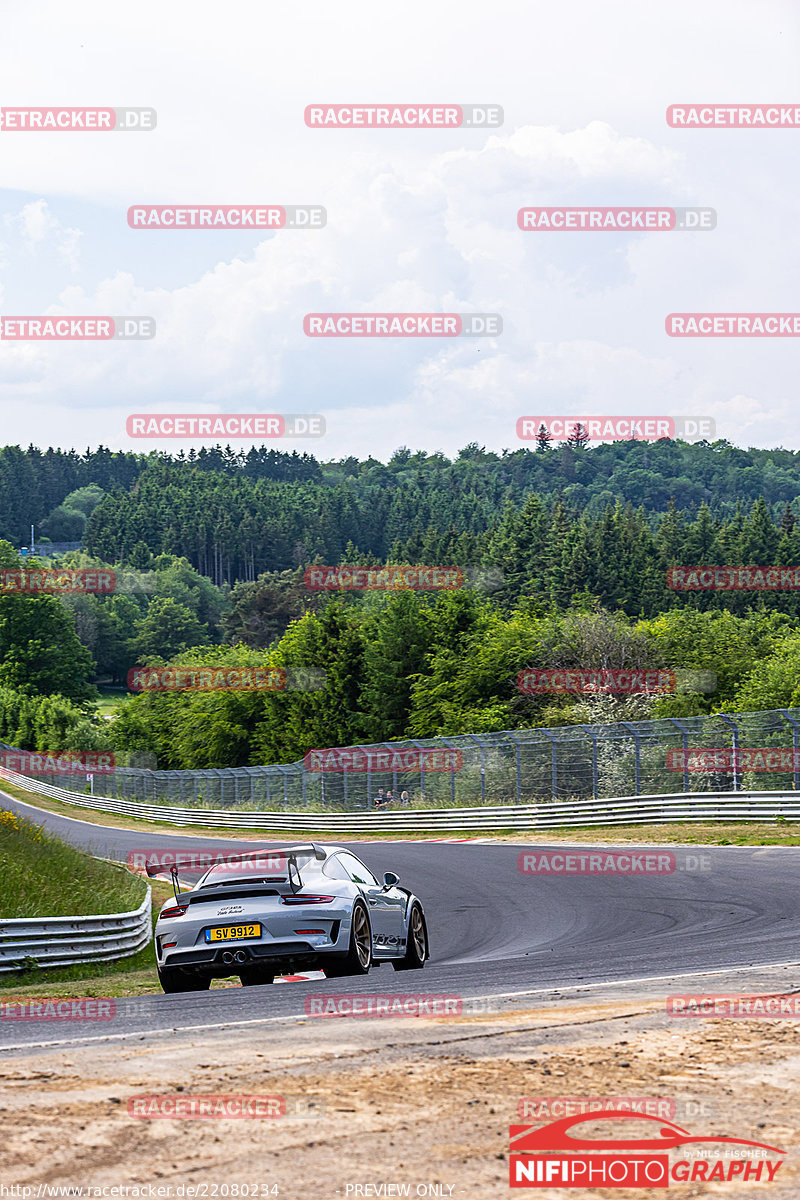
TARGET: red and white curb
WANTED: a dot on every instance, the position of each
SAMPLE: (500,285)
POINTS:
(303,977)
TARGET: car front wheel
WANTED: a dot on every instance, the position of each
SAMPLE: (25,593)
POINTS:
(417,944)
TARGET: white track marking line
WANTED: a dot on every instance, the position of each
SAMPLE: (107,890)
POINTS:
(576,987)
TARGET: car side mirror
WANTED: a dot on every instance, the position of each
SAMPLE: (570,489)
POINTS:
(390,879)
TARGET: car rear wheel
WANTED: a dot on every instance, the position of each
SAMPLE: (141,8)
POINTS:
(417,944)
(256,976)
(173,979)
(358,959)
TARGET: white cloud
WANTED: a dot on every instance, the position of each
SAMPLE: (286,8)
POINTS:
(417,221)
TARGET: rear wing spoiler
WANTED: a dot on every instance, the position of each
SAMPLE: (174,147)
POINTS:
(290,853)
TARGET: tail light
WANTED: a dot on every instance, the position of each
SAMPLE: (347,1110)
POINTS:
(177,911)
(310,931)
(301,898)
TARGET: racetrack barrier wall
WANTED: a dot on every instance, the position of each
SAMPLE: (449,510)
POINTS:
(28,942)
(639,810)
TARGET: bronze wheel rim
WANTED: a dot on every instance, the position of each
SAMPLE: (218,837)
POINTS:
(361,936)
(418,934)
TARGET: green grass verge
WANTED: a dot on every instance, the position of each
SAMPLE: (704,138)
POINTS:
(41,876)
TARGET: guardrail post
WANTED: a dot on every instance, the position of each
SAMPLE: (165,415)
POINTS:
(795,747)
(734,728)
(637,755)
(685,739)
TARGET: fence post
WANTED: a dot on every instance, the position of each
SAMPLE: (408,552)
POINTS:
(554,762)
(795,746)
(637,755)
(481,747)
(593,736)
(734,728)
(685,738)
(518,757)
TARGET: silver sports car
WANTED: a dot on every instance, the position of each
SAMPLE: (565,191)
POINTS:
(271,912)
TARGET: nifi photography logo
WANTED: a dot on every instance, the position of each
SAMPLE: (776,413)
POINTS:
(577,1152)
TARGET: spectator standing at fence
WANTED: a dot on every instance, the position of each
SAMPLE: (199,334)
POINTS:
(380,799)
(405,798)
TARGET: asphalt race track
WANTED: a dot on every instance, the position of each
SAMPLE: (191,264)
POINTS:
(494,930)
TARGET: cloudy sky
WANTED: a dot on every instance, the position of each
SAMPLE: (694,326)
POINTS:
(418,221)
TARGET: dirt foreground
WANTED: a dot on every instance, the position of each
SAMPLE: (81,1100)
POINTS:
(378,1106)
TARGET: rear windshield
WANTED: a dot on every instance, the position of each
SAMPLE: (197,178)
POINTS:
(267,866)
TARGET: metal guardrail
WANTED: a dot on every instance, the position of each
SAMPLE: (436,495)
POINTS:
(638,810)
(517,766)
(64,941)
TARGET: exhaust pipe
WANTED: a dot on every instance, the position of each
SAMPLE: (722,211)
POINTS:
(227,957)
(241,956)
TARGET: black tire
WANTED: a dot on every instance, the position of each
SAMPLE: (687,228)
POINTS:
(417,949)
(256,976)
(358,959)
(173,979)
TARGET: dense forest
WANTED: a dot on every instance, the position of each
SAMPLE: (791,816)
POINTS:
(234,514)
(575,543)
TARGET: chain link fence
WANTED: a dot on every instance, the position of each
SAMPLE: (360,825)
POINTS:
(520,766)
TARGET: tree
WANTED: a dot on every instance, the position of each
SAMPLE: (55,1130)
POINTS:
(578,437)
(167,629)
(40,653)
(543,438)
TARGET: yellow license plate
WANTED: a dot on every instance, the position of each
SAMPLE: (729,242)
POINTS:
(232,933)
